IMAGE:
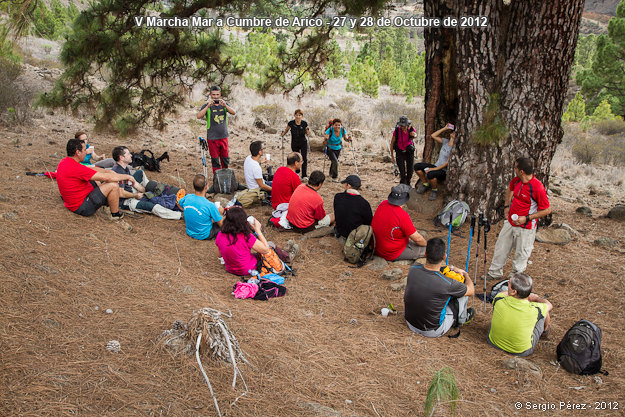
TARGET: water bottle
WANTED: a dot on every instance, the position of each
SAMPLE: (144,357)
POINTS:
(254,274)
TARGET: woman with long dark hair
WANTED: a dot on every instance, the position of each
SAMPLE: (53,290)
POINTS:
(237,239)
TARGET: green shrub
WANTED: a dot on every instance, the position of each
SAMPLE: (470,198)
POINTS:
(15,100)
(585,150)
(442,389)
(274,113)
(492,129)
(611,127)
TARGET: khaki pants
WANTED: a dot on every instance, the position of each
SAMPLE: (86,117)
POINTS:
(517,238)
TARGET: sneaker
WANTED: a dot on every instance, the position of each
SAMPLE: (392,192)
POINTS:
(433,195)
(422,189)
(335,180)
(470,315)
(304,179)
(116,216)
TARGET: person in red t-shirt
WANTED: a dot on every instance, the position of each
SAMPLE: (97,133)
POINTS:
(286,180)
(306,205)
(396,238)
(79,189)
(526,200)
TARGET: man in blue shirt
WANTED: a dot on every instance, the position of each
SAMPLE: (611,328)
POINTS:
(201,217)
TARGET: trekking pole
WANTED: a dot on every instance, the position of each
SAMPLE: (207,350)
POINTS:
(204,148)
(354,155)
(282,146)
(466,268)
(486,229)
(448,239)
(477,249)
(388,148)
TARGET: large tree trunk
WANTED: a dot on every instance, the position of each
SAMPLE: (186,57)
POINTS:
(523,57)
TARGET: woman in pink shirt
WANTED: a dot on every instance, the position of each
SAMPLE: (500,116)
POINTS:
(237,239)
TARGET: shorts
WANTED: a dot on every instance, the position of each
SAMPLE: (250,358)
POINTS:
(92,203)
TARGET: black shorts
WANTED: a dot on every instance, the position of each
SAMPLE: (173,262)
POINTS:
(439,174)
(92,203)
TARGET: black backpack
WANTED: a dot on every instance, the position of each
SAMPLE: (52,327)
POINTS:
(150,163)
(579,352)
(224,181)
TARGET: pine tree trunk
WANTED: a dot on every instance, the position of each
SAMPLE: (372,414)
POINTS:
(524,56)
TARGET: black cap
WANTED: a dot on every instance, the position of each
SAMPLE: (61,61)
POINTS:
(403,121)
(353,180)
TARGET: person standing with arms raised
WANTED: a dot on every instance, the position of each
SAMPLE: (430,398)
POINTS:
(216,112)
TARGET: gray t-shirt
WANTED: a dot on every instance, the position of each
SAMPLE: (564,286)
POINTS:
(427,295)
(217,122)
(443,155)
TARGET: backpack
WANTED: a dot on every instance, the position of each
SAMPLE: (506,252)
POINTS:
(271,264)
(456,210)
(495,289)
(248,197)
(579,352)
(224,181)
(360,245)
(150,163)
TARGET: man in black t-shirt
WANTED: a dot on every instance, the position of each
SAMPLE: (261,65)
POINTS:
(350,208)
(429,293)
(299,129)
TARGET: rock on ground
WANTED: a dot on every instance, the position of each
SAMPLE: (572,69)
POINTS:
(523,365)
(392,274)
(553,236)
(584,210)
(617,212)
(607,242)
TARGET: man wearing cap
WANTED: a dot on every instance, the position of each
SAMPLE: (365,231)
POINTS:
(350,208)
(403,147)
(396,238)
(286,180)
(430,174)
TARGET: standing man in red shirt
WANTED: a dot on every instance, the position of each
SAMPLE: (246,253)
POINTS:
(79,189)
(216,111)
(286,180)
(396,238)
(526,200)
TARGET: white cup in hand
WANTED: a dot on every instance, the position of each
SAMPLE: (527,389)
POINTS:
(250,220)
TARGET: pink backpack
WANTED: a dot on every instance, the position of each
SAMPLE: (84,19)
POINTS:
(244,290)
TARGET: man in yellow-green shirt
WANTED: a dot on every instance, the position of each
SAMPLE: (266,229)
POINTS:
(520,317)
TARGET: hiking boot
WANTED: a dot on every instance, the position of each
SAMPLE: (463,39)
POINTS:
(293,250)
(470,315)
(116,216)
(422,189)
(489,277)
(304,180)
(433,195)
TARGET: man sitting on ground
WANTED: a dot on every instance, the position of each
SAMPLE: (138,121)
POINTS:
(350,208)
(520,317)
(202,218)
(78,187)
(251,167)
(429,293)
(286,180)
(306,205)
(133,198)
(396,238)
